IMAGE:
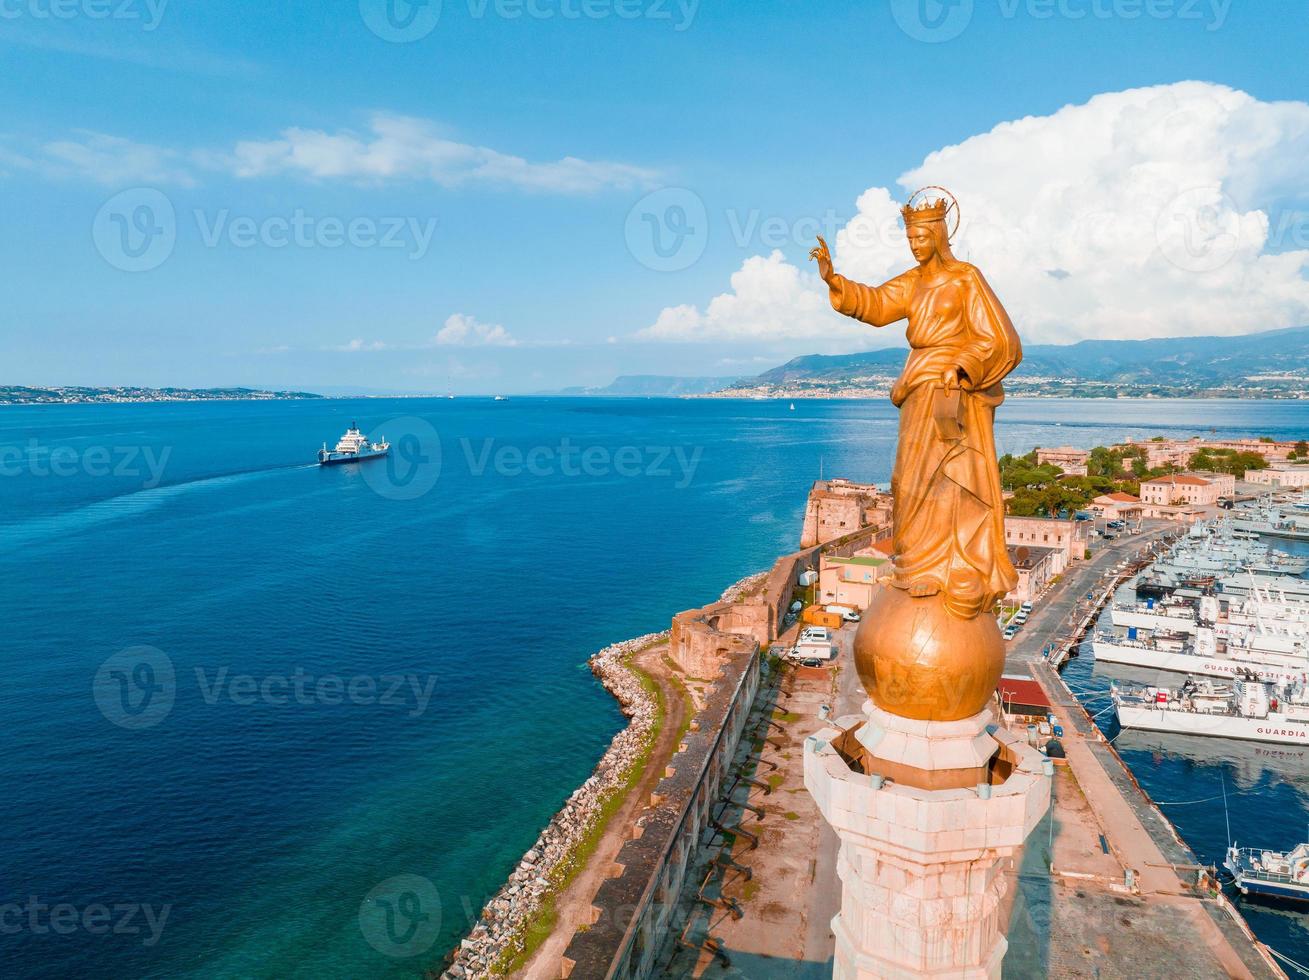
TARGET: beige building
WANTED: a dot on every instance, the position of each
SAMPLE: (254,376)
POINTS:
(1178,452)
(1187,489)
(1072,461)
(1282,474)
(1067,538)
(838,507)
(1035,568)
(1116,506)
(851,581)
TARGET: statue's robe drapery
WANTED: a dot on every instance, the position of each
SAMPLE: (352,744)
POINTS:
(948,510)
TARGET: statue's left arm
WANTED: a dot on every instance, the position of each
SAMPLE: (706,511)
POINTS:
(994,348)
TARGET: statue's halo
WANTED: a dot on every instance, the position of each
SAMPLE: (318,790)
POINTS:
(939,194)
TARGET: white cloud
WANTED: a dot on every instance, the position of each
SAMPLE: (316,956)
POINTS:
(770,300)
(461,330)
(401,147)
(359,344)
(396,148)
(1150,212)
(104,159)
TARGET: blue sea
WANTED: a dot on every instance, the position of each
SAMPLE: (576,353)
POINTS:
(267,719)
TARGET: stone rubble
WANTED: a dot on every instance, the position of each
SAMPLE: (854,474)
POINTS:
(504,920)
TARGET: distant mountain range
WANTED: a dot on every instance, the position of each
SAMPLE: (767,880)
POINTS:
(1274,363)
(651,386)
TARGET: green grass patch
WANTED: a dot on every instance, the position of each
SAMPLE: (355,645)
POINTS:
(775,780)
(786,717)
(791,815)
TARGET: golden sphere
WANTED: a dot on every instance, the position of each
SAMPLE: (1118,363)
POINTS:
(919,661)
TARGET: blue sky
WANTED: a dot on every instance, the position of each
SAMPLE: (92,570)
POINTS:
(500,158)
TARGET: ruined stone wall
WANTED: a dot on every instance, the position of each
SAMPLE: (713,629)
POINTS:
(836,508)
(637,911)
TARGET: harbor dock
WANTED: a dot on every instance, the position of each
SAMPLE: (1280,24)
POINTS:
(1105,887)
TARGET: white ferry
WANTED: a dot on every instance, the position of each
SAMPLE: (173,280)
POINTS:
(353,447)
(1244,710)
(1276,874)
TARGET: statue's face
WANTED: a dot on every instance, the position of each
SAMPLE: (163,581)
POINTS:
(921,242)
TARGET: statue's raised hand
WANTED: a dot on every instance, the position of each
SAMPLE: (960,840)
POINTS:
(823,257)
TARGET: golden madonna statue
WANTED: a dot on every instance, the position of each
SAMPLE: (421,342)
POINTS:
(930,647)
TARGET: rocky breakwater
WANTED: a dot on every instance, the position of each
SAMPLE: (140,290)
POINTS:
(501,932)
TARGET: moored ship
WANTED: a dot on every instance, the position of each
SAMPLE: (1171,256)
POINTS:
(1275,874)
(1244,710)
(353,447)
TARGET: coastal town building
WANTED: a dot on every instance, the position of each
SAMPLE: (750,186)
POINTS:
(1280,474)
(1036,567)
(850,581)
(1067,538)
(1116,506)
(1070,460)
(837,507)
(1178,452)
(1190,489)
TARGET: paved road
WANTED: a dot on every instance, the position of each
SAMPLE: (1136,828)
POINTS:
(1049,622)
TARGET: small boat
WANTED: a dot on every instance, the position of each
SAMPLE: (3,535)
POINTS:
(501,398)
(353,447)
(793,406)
(1275,874)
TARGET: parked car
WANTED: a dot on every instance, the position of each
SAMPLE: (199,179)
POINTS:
(1026,607)
(1010,632)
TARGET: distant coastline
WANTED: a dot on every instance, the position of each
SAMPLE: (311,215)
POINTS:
(130,394)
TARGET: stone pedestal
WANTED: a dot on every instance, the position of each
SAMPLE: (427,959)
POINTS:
(921,869)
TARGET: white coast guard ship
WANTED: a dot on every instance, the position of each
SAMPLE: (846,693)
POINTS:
(1244,709)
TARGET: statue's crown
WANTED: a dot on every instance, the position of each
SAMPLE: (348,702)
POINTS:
(925,212)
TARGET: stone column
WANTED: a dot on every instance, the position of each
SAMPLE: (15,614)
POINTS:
(922,869)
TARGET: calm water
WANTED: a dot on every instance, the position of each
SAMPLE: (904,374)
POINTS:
(201,726)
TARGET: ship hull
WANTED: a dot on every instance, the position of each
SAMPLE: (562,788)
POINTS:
(1190,663)
(1274,728)
(340,459)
